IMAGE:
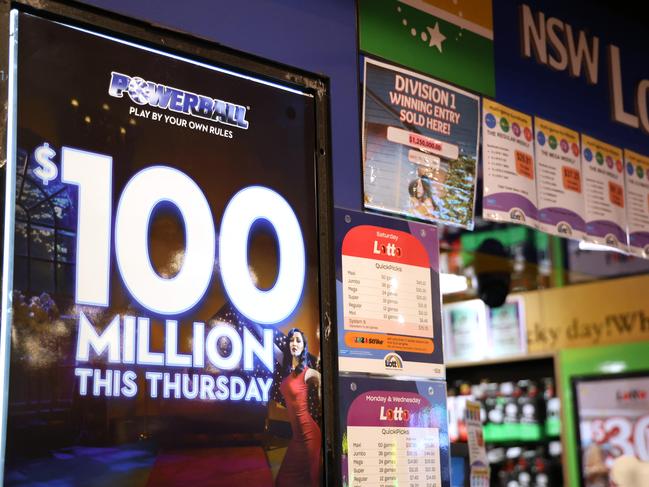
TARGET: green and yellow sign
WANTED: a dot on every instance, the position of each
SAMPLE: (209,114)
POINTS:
(449,40)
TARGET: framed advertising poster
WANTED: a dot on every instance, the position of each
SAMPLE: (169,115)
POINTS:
(465,326)
(162,282)
(420,146)
(394,432)
(612,419)
(506,328)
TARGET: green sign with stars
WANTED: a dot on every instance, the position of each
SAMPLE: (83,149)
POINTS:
(432,37)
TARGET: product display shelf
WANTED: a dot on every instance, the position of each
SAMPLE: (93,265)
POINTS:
(496,361)
(526,442)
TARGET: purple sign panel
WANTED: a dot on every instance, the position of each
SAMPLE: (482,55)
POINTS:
(394,432)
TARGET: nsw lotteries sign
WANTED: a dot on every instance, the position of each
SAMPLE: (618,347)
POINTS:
(164,236)
(593,63)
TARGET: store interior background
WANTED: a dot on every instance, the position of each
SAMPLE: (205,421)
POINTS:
(585,311)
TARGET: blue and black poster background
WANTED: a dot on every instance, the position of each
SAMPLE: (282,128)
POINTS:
(56,436)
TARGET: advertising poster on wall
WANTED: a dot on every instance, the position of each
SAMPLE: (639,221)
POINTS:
(509,193)
(602,168)
(475,435)
(387,284)
(559,188)
(469,325)
(612,420)
(394,433)
(465,325)
(480,476)
(164,305)
(506,328)
(420,146)
(637,202)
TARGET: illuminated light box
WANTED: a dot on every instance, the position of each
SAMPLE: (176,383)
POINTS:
(162,279)
(612,420)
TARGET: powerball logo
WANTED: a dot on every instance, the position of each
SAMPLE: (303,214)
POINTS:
(393,361)
(145,92)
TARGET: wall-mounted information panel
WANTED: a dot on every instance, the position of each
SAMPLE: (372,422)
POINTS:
(394,432)
(387,281)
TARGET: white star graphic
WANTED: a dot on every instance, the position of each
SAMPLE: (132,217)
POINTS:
(436,37)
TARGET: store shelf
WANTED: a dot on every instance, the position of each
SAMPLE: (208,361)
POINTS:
(533,367)
(505,369)
(499,360)
(522,443)
(459,448)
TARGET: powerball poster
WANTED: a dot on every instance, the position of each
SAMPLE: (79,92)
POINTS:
(162,301)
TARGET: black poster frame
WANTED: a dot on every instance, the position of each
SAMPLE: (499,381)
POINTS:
(574,385)
(200,49)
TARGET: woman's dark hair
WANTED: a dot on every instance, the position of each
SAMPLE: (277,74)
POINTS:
(425,186)
(288,358)
(412,188)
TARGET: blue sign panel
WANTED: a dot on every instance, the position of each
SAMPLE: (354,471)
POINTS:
(575,64)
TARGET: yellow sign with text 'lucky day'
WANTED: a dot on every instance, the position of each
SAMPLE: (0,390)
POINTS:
(584,315)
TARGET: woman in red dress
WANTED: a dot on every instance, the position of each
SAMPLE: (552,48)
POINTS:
(301,465)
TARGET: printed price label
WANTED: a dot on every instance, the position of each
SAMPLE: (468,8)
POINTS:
(396,433)
(559,182)
(604,193)
(479,477)
(524,164)
(636,197)
(387,283)
(616,194)
(571,179)
(510,192)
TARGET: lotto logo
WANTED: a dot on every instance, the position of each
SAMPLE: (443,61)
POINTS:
(396,414)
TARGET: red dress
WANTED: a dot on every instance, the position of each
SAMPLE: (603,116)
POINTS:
(301,465)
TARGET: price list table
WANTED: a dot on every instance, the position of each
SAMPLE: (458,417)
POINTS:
(509,171)
(605,213)
(393,457)
(386,279)
(387,297)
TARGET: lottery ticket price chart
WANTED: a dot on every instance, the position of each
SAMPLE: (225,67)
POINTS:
(389,307)
(386,279)
(395,433)
(509,172)
(604,193)
(637,202)
(393,456)
(559,181)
